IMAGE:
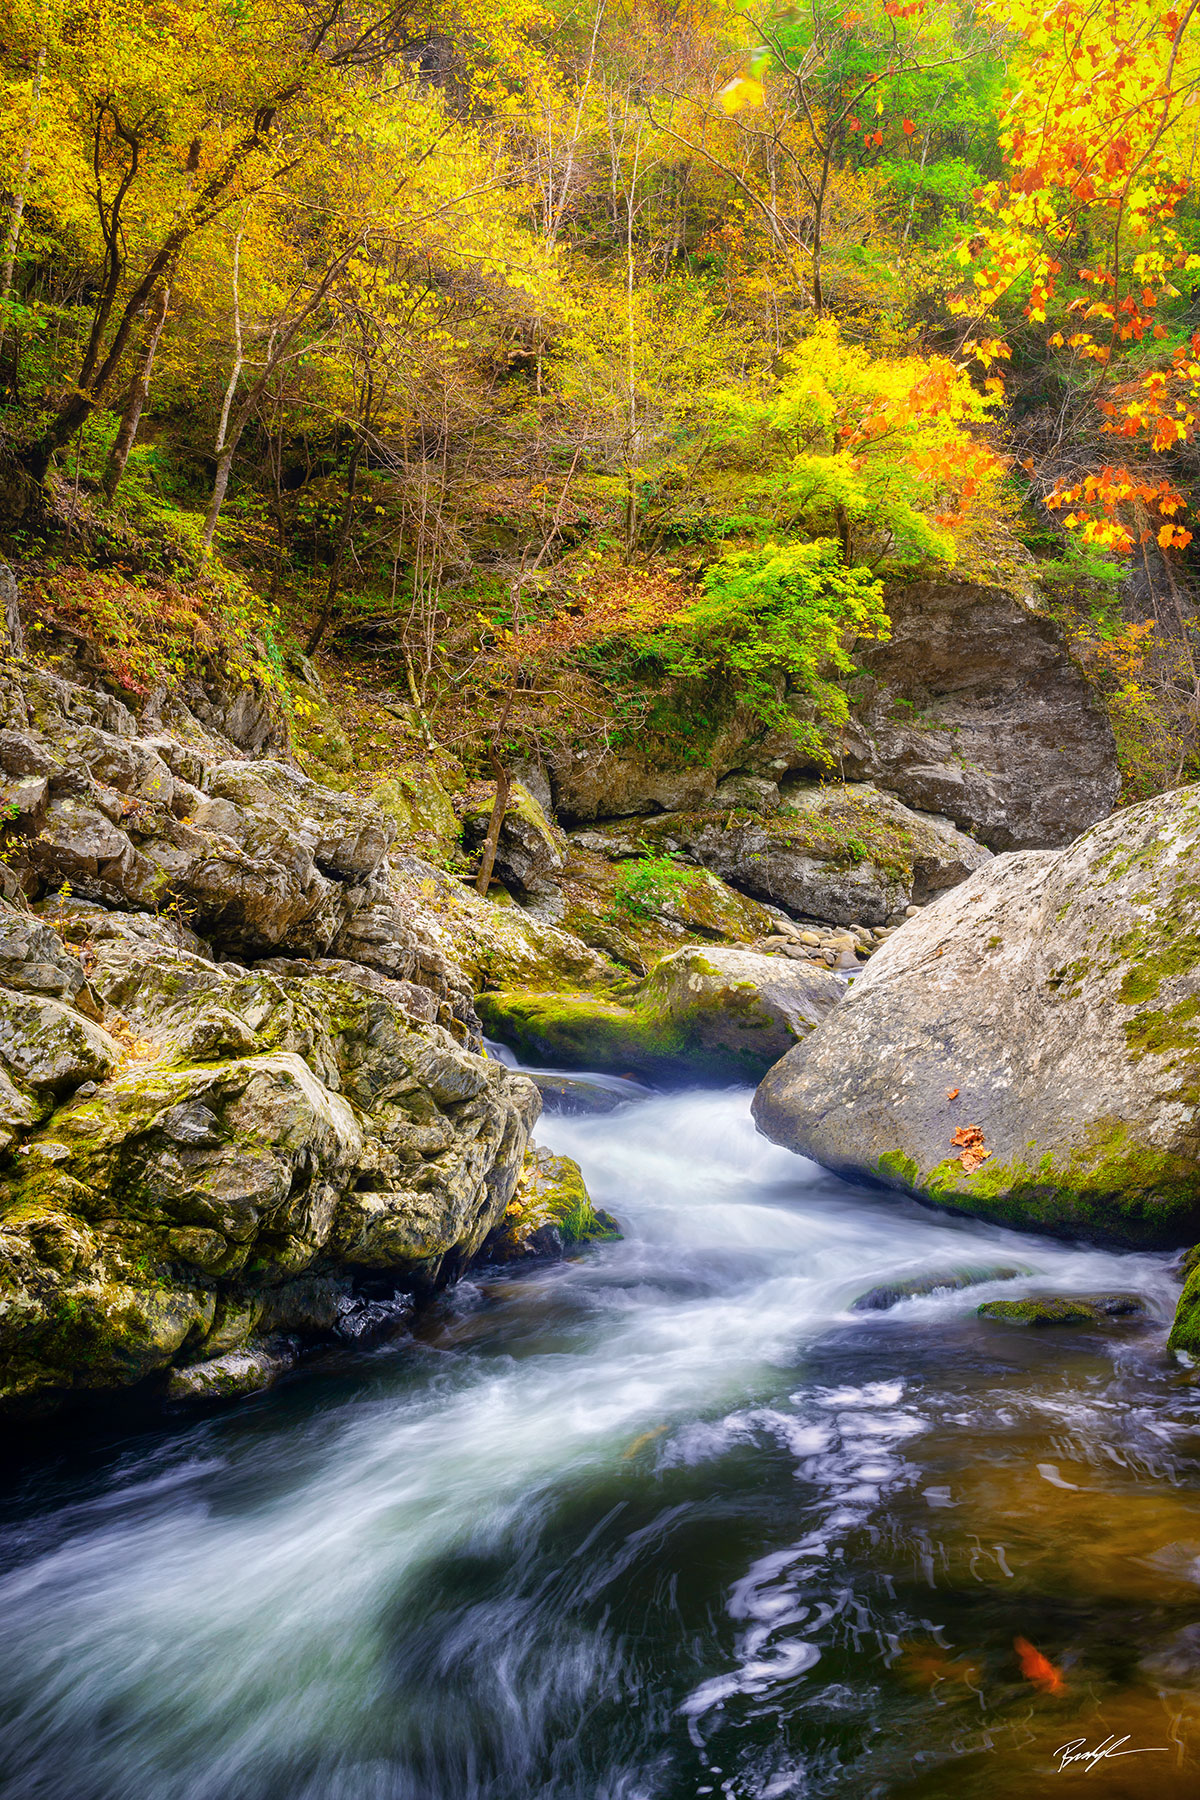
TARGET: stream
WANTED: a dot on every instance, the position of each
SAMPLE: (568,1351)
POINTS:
(662,1521)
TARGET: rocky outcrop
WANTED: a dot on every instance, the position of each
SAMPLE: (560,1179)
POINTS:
(702,1013)
(847,854)
(240,1079)
(1028,1047)
(530,848)
(974,709)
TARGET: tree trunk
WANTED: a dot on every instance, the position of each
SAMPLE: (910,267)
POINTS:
(139,391)
(17,209)
(339,554)
(220,483)
(491,841)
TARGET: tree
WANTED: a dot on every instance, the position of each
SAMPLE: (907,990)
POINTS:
(1080,234)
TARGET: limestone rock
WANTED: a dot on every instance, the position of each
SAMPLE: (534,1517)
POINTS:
(1027,1048)
(717,1013)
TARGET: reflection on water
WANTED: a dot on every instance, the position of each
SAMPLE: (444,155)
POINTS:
(665,1521)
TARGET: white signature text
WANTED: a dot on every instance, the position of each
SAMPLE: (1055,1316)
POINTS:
(1077,1752)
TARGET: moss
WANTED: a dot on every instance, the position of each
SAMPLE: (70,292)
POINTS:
(1155,1033)
(1185,1331)
(1155,952)
(724,1036)
(415,798)
(895,1167)
(1062,1310)
(1105,1191)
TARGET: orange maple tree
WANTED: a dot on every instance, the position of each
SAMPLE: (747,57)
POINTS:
(1081,231)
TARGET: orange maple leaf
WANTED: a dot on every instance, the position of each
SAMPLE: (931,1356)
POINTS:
(1037,1668)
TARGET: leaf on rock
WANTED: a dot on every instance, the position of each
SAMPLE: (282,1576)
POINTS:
(969,1139)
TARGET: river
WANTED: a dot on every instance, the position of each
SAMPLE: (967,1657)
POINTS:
(663,1521)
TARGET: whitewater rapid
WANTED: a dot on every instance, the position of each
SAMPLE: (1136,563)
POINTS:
(353,1589)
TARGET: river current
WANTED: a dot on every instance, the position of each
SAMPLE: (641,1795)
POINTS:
(663,1521)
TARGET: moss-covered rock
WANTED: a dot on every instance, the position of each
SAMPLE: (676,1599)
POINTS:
(500,945)
(207,1155)
(414,797)
(1028,1047)
(640,908)
(551,1211)
(1185,1329)
(715,1014)
(531,847)
(849,854)
(914,1287)
(1064,1309)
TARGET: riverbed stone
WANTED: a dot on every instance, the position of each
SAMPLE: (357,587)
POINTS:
(1039,1311)
(1027,1047)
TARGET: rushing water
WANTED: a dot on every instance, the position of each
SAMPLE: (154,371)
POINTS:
(664,1521)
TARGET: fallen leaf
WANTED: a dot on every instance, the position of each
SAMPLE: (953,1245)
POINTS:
(1037,1668)
(639,1443)
(969,1139)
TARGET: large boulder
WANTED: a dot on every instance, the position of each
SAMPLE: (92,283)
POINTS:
(845,853)
(702,1013)
(1027,1048)
(974,708)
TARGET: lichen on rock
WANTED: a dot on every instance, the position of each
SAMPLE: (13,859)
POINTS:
(1027,1047)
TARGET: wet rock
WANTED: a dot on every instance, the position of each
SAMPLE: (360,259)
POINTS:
(1025,1049)
(577,1097)
(880,1299)
(233,1375)
(550,1211)
(719,1013)
(364,1322)
(1064,1309)
(1185,1328)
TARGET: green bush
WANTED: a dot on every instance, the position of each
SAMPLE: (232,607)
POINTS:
(776,624)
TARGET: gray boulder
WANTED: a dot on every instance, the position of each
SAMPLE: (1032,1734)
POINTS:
(974,709)
(1028,1047)
(530,849)
(849,854)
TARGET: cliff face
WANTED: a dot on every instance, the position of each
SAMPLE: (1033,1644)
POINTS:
(241,1088)
(972,710)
